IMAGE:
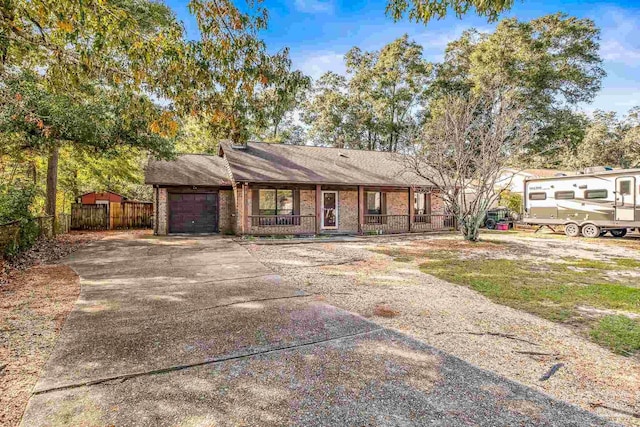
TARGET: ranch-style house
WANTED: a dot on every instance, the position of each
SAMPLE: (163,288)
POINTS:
(276,189)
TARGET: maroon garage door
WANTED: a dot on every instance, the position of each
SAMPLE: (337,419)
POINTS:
(193,213)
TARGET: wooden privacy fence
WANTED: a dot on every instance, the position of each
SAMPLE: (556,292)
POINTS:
(111,216)
(130,215)
(88,217)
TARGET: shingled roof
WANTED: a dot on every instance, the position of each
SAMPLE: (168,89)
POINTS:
(259,162)
(281,163)
(188,169)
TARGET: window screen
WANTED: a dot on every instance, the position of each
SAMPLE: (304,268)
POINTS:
(537,196)
(374,202)
(565,195)
(595,194)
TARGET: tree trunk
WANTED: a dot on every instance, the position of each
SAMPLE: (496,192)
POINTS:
(52,182)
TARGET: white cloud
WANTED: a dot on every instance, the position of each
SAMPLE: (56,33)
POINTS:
(314,6)
(619,99)
(616,51)
(315,64)
(619,38)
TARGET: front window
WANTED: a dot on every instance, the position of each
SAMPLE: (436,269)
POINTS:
(275,202)
(422,207)
(537,196)
(374,203)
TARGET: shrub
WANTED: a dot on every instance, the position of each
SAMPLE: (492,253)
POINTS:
(15,205)
(510,200)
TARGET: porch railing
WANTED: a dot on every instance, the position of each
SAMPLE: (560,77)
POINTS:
(282,224)
(386,223)
(400,223)
(433,222)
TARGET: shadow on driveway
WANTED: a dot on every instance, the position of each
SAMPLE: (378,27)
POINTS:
(195,331)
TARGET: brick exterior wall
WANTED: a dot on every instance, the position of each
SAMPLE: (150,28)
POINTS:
(437,204)
(232,211)
(161,210)
(307,202)
(226,218)
(348,211)
(398,202)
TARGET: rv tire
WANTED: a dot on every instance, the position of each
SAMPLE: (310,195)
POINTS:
(620,232)
(572,230)
(591,231)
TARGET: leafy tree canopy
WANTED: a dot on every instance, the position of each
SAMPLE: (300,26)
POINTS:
(378,104)
(426,10)
(549,64)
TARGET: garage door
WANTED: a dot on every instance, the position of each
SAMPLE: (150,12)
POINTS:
(193,213)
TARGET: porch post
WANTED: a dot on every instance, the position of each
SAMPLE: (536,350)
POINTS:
(360,208)
(411,208)
(318,207)
(245,209)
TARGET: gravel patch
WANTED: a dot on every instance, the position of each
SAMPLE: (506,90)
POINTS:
(512,343)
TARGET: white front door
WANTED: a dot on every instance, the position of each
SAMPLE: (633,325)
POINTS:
(329,210)
(625,199)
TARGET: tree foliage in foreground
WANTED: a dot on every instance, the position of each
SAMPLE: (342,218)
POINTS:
(427,10)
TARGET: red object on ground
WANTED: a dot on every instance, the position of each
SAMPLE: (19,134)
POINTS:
(502,226)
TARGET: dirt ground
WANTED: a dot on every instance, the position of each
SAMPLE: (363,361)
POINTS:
(36,295)
(360,277)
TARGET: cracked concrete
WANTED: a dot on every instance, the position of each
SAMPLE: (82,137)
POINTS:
(195,331)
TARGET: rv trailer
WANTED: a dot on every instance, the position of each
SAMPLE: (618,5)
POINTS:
(590,204)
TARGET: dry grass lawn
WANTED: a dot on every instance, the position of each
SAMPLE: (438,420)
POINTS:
(515,303)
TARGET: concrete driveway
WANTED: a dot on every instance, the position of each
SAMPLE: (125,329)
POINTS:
(196,332)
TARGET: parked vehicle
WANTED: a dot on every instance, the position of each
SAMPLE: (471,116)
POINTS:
(592,203)
(499,215)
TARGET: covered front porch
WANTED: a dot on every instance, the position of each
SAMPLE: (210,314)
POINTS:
(324,209)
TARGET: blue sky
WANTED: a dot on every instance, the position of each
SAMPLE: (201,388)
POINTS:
(319,32)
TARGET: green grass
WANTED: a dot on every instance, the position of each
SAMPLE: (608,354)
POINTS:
(619,333)
(588,263)
(627,262)
(551,290)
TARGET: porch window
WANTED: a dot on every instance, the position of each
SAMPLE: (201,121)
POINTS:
(374,203)
(275,202)
(422,207)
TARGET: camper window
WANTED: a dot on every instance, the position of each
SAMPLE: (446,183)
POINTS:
(595,194)
(625,187)
(537,196)
(565,195)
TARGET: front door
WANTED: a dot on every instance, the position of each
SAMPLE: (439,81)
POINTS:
(330,210)
(625,198)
